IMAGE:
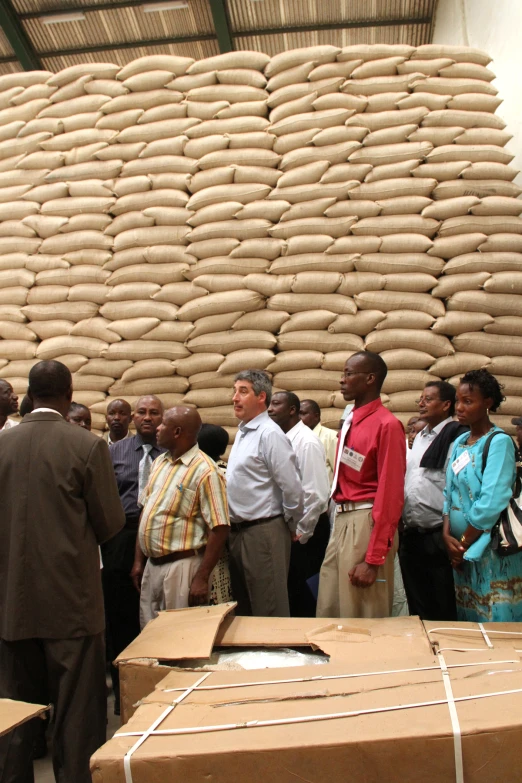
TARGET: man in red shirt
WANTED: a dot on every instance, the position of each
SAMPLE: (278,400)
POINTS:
(356,577)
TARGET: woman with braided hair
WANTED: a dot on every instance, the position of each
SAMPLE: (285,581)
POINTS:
(488,587)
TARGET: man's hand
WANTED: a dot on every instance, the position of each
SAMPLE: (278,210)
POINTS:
(454,549)
(363,575)
(198,595)
(136,574)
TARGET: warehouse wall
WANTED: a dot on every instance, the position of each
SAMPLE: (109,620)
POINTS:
(496,28)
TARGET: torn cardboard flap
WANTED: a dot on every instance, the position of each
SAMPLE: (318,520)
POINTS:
(14,713)
(178,634)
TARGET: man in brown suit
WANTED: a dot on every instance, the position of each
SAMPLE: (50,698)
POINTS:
(59,502)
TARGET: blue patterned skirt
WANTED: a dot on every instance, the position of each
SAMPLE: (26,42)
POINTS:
(490,590)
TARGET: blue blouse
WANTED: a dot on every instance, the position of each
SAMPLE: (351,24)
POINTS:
(475,498)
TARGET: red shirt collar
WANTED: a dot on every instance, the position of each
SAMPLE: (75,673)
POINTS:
(366,410)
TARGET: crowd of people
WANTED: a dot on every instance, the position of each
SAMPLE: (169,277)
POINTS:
(100,534)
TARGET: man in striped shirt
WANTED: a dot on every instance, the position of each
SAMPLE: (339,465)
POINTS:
(184,523)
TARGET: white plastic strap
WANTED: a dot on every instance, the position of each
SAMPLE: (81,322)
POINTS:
(485,635)
(474,630)
(152,728)
(455,725)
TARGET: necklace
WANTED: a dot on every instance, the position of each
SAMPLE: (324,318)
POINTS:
(471,440)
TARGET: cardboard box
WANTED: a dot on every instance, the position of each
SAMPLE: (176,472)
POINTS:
(194,633)
(385,718)
(14,713)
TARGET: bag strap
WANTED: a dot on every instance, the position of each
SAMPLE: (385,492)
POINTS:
(488,443)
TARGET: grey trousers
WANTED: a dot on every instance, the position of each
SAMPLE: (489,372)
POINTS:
(69,674)
(259,562)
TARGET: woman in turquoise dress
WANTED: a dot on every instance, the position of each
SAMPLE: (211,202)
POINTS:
(488,587)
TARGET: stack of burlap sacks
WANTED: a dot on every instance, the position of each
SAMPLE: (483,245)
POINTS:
(169,223)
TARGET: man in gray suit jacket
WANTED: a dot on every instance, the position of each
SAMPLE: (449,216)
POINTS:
(59,502)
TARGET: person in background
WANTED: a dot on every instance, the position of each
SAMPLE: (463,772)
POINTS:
(51,605)
(132,459)
(80,414)
(8,405)
(356,578)
(118,418)
(26,406)
(213,441)
(265,499)
(184,524)
(426,571)
(488,586)
(517,422)
(310,415)
(412,432)
(313,529)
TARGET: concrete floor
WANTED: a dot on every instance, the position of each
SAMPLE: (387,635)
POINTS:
(43,768)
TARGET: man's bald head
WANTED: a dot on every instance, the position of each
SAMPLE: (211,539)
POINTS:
(179,429)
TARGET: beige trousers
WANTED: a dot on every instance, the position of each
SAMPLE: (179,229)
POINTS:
(166,586)
(347,548)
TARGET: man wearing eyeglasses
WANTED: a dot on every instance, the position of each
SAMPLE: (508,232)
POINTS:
(426,570)
(356,578)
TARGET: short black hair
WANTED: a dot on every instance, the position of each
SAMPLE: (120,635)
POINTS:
(76,407)
(447,393)
(292,399)
(487,385)
(26,406)
(314,407)
(376,364)
(213,440)
(49,380)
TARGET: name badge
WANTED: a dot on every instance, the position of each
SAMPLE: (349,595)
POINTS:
(460,462)
(352,458)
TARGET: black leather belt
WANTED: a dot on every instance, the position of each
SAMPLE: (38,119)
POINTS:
(422,531)
(236,527)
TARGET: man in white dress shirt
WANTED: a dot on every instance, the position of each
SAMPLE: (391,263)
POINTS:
(265,500)
(426,570)
(313,529)
(8,405)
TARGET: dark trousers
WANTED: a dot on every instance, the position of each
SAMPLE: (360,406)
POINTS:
(427,575)
(306,561)
(69,674)
(122,600)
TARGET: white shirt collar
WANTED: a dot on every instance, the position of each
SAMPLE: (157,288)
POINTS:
(46,410)
(435,431)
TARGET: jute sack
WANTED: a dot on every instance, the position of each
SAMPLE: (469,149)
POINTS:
(483,302)
(208,398)
(127,221)
(314,282)
(336,135)
(11,312)
(18,368)
(226,265)
(294,75)
(508,365)
(14,261)
(268,210)
(360,208)
(394,135)
(255,156)
(88,292)
(306,243)
(450,207)
(247,76)
(415,282)
(394,224)
(125,291)
(17,349)
(295,57)
(39,263)
(132,328)
(222,175)
(258,248)
(244,193)
(95,327)
(502,283)
(501,243)
(291,141)
(223,62)
(179,293)
(390,154)
(105,87)
(245,229)
(467,71)
(343,172)
(90,187)
(334,227)
(16,277)
(324,380)
(459,321)
(146,368)
(241,360)
(403,205)
(442,171)
(48,294)
(404,400)
(146,349)
(475,153)
(310,319)
(119,120)
(512,406)
(212,380)
(145,308)
(267,320)
(407,359)
(459,364)
(69,311)
(159,164)
(385,101)
(19,244)
(104,169)
(393,188)
(304,173)
(505,324)
(295,360)
(225,210)
(222,302)
(294,195)
(489,344)
(335,360)
(90,347)
(69,207)
(483,136)
(383,263)
(47,329)
(484,262)
(89,222)
(144,237)
(199,362)
(72,360)
(141,100)
(389,339)
(219,283)
(318,340)
(406,319)
(295,303)
(462,119)
(327,70)
(365,244)
(229,341)
(13,331)
(474,187)
(104,367)
(362,323)
(165,62)
(460,244)
(98,383)
(222,415)
(430,100)
(161,197)
(260,139)
(453,86)
(122,187)
(497,205)
(312,262)
(322,398)
(170,331)
(72,276)
(326,118)
(329,153)
(379,84)
(492,224)
(475,101)
(168,216)
(447,286)
(161,385)
(150,80)
(405,380)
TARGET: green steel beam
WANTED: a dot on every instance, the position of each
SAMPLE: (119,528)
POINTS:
(88,7)
(17,37)
(220,18)
(334,26)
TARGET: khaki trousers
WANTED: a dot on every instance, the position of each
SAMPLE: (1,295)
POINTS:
(347,548)
(166,586)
